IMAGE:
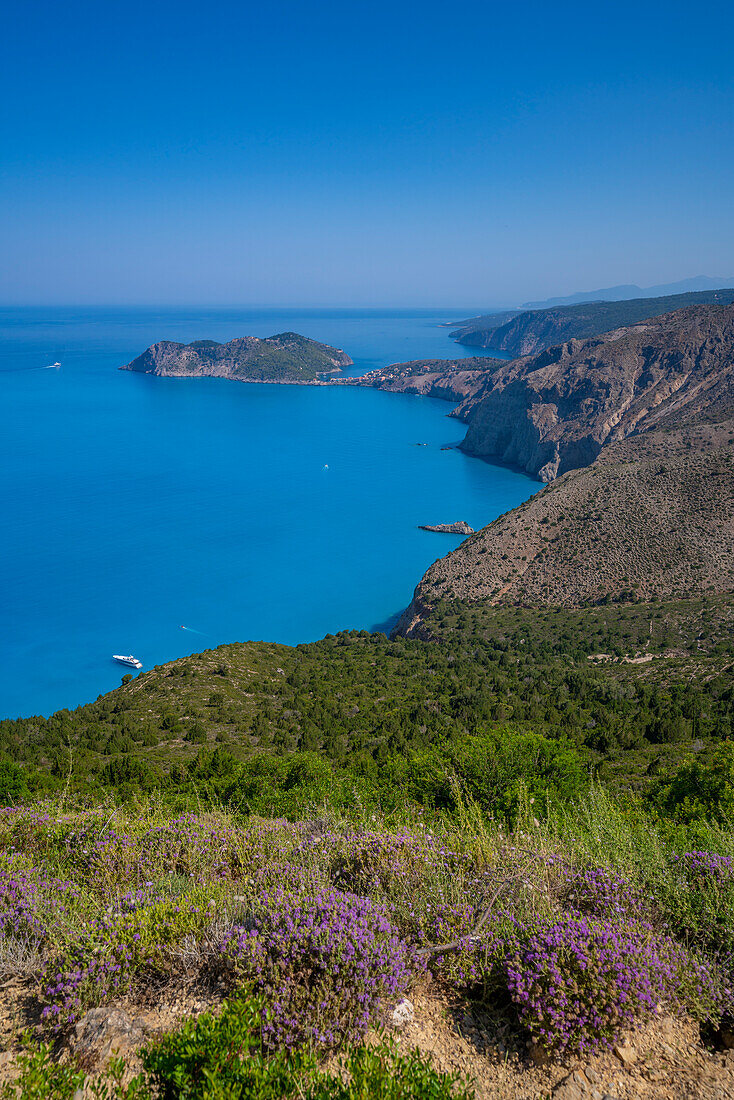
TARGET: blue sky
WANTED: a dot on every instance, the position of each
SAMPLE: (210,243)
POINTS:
(364,154)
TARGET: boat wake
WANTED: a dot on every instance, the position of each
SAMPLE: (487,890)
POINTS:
(24,370)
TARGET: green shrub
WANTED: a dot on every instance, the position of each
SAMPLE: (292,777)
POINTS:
(221,1058)
(41,1078)
(700,790)
(381,1073)
(13,783)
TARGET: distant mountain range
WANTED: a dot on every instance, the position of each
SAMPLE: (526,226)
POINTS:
(630,290)
(532,330)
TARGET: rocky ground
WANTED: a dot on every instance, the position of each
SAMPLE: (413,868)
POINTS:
(665,1060)
(454,380)
(554,412)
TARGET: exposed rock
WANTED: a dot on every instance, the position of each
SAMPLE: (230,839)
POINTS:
(653,516)
(402,1014)
(576,1086)
(626,1054)
(459,528)
(286,357)
(104,1032)
(455,380)
(553,412)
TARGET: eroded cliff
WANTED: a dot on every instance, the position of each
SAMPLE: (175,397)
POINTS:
(554,412)
(652,517)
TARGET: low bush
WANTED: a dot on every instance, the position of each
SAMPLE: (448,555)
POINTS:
(113,951)
(222,1058)
(580,982)
(324,963)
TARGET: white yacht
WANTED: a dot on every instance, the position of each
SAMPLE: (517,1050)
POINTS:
(131,662)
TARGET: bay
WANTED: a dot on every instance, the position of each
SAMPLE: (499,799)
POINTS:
(165,516)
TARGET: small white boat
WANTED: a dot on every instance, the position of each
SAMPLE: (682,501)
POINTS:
(53,366)
(130,661)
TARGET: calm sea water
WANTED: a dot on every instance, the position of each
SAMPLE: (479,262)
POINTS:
(164,516)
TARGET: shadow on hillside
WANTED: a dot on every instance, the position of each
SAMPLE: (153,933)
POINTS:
(387,626)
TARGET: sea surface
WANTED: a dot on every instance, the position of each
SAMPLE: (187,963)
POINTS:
(161,516)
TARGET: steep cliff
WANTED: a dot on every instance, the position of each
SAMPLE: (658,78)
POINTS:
(553,412)
(286,357)
(530,332)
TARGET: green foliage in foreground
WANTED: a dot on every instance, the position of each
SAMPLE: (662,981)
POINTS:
(220,1057)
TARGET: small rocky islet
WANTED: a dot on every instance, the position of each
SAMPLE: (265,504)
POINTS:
(459,528)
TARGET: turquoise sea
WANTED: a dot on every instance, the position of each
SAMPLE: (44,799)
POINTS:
(164,516)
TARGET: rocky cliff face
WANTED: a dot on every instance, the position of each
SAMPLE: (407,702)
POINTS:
(530,332)
(287,357)
(635,432)
(554,412)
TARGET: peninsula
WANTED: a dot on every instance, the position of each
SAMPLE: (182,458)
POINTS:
(286,357)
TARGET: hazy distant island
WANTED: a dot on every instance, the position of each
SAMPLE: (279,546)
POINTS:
(286,357)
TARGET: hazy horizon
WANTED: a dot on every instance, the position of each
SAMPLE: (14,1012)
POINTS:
(311,159)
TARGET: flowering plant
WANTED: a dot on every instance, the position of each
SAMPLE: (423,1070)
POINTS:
(324,963)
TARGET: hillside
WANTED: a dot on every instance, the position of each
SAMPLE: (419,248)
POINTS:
(530,332)
(360,717)
(653,515)
(286,357)
(635,432)
(504,835)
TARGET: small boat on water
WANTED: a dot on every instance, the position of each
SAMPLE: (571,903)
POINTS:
(131,662)
(53,366)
